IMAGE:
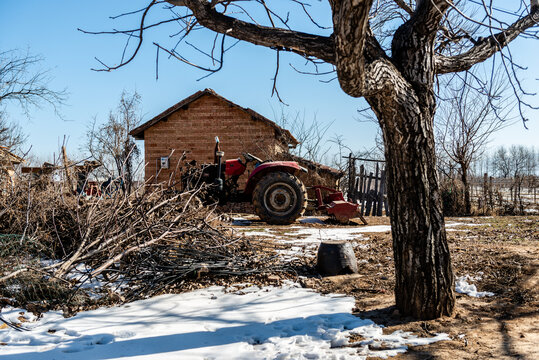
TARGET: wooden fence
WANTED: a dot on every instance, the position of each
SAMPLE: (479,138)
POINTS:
(367,186)
(490,192)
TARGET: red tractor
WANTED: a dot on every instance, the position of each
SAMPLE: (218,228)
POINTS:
(273,187)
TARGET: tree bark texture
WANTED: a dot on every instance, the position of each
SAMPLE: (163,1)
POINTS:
(423,273)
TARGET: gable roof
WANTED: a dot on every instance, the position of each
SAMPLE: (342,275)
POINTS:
(285,135)
(7,156)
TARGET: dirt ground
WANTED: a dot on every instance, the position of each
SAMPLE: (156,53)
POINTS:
(502,251)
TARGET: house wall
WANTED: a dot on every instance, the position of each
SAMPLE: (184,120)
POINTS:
(194,129)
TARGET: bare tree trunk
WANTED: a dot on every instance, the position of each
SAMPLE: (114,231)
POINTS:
(466,184)
(423,273)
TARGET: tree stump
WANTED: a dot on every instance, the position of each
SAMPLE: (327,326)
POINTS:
(336,258)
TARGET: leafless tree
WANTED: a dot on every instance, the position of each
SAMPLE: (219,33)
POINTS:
(501,162)
(517,163)
(520,158)
(532,159)
(390,52)
(23,82)
(339,142)
(466,119)
(110,143)
(311,134)
(11,133)
(523,160)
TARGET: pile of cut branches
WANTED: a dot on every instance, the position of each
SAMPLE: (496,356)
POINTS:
(142,242)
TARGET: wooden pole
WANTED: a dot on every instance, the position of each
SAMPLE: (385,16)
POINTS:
(490,197)
(66,168)
(485,191)
(351,175)
(356,190)
(381,193)
(361,185)
(375,197)
(364,194)
(368,196)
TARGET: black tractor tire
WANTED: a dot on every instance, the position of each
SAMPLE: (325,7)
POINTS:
(279,198)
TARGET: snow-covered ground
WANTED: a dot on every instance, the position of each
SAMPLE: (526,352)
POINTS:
(309,234)
(285,322)
(452,226)
(304,233)
(304,239)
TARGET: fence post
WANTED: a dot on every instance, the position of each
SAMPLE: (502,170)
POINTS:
(368,202)
(361,182)
(375,194)
(364,193)
(490,197)
(485,191)
(381,193)
(351,175)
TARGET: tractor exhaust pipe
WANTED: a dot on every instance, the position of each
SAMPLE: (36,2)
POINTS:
(218,159)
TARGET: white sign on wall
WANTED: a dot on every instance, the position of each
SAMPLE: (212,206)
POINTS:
(164,162)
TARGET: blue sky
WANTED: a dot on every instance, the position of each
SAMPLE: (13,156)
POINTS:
(49,29)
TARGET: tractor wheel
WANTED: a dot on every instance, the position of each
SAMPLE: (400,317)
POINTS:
(279,198)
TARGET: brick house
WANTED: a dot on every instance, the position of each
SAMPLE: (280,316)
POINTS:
(191,126)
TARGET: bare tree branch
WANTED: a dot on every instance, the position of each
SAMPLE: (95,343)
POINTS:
(352,71)
(301,43)
(21,81)
(486,47)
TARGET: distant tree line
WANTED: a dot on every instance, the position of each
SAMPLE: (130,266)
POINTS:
(504,173)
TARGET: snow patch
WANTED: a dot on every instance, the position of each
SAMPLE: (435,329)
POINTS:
(286,322)
(301,234)
(462,286)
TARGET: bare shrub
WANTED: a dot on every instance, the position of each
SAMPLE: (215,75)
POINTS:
(452,197)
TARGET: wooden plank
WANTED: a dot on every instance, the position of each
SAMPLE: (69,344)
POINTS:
(356,189)
(363,189)
(67,170)
(351,176)
(368,202)
(375,194)
(381,192)
(360,184)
